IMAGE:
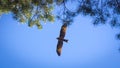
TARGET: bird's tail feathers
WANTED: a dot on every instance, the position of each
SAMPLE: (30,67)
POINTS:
(65,40)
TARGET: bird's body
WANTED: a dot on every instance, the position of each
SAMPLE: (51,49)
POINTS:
(61,39)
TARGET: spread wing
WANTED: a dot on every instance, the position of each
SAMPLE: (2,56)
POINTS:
(59,47)
(63,31)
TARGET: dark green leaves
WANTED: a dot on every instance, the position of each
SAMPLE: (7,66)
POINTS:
(33,12)
(29,11)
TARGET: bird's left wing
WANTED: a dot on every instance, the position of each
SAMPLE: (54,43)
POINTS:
(63,31)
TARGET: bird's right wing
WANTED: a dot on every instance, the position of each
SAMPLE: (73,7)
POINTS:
(59,47)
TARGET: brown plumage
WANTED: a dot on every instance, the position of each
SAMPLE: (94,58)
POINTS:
(61,39)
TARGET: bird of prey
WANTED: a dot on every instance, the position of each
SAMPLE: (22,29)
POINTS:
(61,39)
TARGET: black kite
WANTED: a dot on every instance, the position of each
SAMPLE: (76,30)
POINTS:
(61,39)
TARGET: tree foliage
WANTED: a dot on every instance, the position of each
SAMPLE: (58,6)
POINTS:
(30,11)
(35,11)
(102,11)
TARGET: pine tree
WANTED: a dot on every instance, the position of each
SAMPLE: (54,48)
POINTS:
(30,11)
(34,12)
(102,11)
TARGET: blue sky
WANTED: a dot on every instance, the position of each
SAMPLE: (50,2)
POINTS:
(88,47)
